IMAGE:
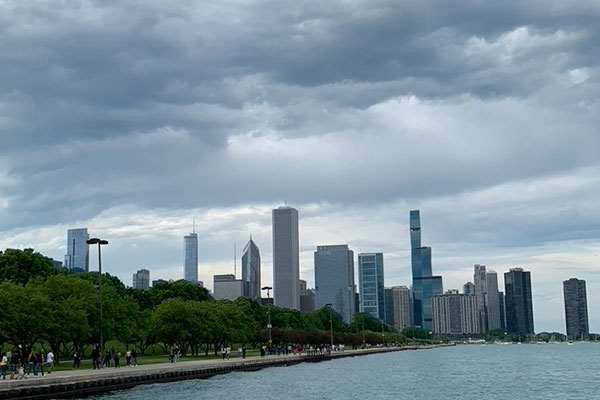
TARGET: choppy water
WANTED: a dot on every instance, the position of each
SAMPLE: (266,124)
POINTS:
(461,372)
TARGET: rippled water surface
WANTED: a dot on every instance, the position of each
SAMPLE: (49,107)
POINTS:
(462,372)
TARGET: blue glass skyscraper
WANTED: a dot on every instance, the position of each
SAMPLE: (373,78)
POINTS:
(370,275)
(425,285)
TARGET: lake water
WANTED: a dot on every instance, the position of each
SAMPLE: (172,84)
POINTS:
(463,372)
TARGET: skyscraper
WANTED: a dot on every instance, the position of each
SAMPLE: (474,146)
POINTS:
(402,307)
(334,279)
(78,253)
(469,288)
(371,284)
(479,277)
(493,301)
(190,254)
(286,258)
(425,285)
(389,307)
(502,311)
(518,302)
(226,287)
(455,314)
(576,311)
(307,298)
(141,280)
(251,271)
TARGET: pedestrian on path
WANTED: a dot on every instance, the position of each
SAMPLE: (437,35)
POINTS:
(116,357)
(3,364)
(49,361)
(31,363)
(77,360)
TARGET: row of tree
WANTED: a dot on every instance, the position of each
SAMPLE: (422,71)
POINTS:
(42,304)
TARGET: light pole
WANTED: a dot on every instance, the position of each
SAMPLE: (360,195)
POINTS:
(382,336)
(330,323)
(363,329)
(99,242)
(269,326)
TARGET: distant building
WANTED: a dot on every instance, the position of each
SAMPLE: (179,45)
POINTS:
(576,311)
(425,285)
(518,302)
(158,282)
(251,271)
(493,302)
(226,287)
(286,258)
(371,284)
(480,280)
(55,264)
(77,258)
(141,280)
(455,314)
(307,298)
(469,288)
(389,307)
(190,254)
(334,279)
(502,311)
(402,307)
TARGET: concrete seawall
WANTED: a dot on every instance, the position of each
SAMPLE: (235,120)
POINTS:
(87,382)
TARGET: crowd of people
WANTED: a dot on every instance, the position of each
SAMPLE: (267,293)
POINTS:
(20,365)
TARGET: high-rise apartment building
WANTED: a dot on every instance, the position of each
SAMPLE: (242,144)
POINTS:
(518,302)
(402,305)
(455,314)
(190,257)
(371,284)
(493,302)
(251,271)
(141,280)
(307,298)
(576,311)
(334,279)
(286,258)
(502,311)
(480,280)
(77,258)
(425,285)
(389,307)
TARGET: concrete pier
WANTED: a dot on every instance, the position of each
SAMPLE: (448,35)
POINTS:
(65,384)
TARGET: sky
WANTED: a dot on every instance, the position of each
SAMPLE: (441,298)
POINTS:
(132,118)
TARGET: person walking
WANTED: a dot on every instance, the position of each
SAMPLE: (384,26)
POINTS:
(134,357)
(128,358)
(116,357)
(15,359)
(3,365)
(39,361)
(31,361)
(77,360)
(95,358)
(49,361)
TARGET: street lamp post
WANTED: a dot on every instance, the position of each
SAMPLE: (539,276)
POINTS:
(330,323)
(99,242)
(269,326)
(363,329)
(382,336)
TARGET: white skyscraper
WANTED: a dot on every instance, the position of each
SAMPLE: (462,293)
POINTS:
(78,254)
(286,258)
(190,262)
(141,280)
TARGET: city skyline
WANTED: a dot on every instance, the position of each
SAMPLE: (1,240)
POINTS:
(132,120)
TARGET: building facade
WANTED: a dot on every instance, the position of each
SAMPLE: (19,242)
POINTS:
(371,285)
(480,282)
(307,298)
(425,285)
(251,271)
(190,258)
(77,258)
(576,311)
(518,302)
(402,305)
(226,287)
(455,314)
(141,280)
(334,279)
(286,258)
(469,288)
(493,302)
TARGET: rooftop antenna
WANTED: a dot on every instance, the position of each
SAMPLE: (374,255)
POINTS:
(234,259)
(194,225)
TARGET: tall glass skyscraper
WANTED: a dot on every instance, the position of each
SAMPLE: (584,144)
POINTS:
(518,302)
(492,302)
(576,311)
(77,258)
(334,279)
(371,284)
(251,271)
(425,285)
(190,255)
(286,258)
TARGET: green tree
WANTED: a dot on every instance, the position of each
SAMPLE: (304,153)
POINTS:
(20,266)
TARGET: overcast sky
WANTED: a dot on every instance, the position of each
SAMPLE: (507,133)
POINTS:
(133,117)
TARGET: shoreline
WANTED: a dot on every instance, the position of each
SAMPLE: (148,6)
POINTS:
(67,384)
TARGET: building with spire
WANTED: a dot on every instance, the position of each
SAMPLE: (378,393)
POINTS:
(425,285)
(190,256)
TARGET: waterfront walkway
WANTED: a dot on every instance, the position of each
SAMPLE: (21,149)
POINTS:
(63,384)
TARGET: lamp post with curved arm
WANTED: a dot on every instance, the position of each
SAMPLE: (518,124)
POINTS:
(99,242)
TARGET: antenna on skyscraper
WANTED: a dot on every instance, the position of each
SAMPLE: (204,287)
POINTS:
(194,225)
(234,259)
